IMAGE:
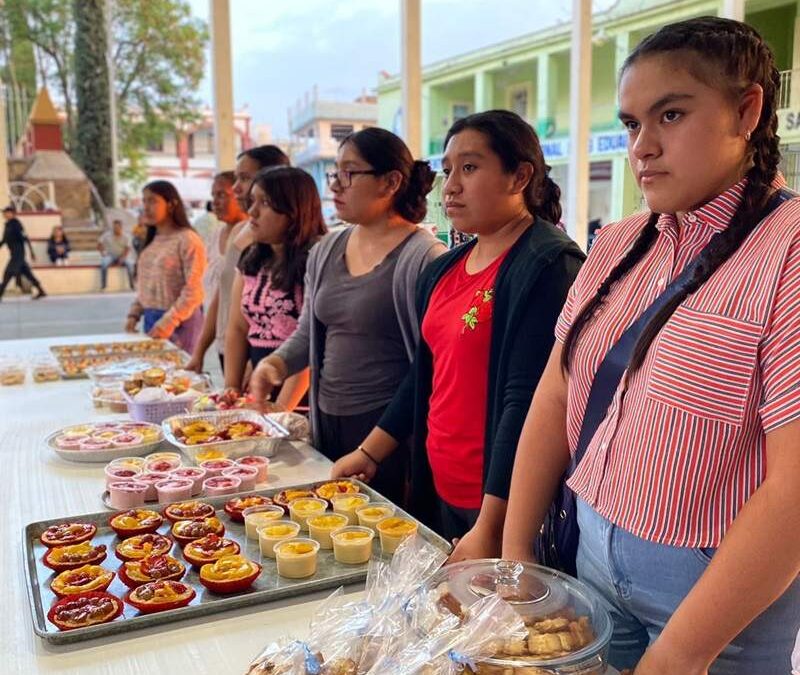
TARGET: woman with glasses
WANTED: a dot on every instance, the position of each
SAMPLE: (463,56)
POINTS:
(358,329)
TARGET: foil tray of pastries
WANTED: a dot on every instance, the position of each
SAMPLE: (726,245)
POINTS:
(76,360)
(147,564)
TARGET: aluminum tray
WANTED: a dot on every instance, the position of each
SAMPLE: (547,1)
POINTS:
(267,588)
(265,446)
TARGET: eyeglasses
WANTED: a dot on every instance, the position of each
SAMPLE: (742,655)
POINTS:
(345,177)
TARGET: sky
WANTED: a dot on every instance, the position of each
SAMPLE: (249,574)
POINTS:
(282,48)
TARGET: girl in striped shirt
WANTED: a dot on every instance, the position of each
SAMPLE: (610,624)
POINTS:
(688,505)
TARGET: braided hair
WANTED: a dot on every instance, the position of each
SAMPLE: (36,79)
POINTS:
(720,53)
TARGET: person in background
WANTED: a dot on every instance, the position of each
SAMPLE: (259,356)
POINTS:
(169,287)
(488,312)
(15,238)
(58,246)
(358,329)
(230,198)
(286,220)
(114,247)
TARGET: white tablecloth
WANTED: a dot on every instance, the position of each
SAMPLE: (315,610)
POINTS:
(38,485)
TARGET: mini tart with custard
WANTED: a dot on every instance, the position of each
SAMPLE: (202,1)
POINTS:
(159,596)
(235,507)
(143,546)
(66,534)
(135,521)
(81,580)
(330,488)
(189,510)
(229,574)
(283,497)
(63,558)
(186,531)
(209,549)
(155,568)
(84,609)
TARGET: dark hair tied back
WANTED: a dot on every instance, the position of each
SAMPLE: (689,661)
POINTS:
(730,56)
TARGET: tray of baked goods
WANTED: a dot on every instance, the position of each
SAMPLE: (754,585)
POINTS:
(75,360)
(109,573)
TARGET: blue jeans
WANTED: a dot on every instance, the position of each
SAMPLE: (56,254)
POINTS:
(185,335)
(644,582)
(107,261)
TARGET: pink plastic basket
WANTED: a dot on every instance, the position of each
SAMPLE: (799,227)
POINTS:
(156,413)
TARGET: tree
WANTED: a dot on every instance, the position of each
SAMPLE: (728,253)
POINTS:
(159,60)
(92,149)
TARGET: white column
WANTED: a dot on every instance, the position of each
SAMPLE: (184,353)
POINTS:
(112,103)
(483,92)
(222,75)
(580,89)
(732,9)
(546,94)
(794,80)
(4,196)
(411,73)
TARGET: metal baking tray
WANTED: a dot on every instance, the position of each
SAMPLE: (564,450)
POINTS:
(100,353)
(265,446)
(267,588)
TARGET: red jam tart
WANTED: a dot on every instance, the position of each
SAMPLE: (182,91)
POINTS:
(209,549)
(285,496)
(191,510)
(66,534)
(85,609)
(235,507)
(142,546)
(229,574)
(186,531)
(335,487)
(155,568)
(63,558)
(159,596)
(80,580)
(135,521)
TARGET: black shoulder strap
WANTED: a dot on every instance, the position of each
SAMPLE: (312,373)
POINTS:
(616,361)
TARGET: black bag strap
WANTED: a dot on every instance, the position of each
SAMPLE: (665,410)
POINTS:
(616,361)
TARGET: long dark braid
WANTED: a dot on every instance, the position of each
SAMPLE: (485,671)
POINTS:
(737,53)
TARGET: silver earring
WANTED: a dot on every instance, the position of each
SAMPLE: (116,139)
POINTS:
(747,135)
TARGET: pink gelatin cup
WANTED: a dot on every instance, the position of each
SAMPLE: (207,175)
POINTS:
(247,474)
(260,463)
(126,494)
(195,473)
(215,467)
(174,489)
(164,465)
(127,440)
(70,442)
(114,474)
(150,478)
(221,485)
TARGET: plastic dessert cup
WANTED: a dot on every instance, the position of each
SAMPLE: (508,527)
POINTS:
(320,527)
(214,467)
(297,558)
(347,504)
(393,530)
(352,545)
(126,494)
(273,533)
(247,474)
(300,510)
(115,474)
(150,478)
(258,516)
(168,456)
(195,473)
(174,489)
(369,515)
(260,463)
(136,462)
(162,465)
(221,485)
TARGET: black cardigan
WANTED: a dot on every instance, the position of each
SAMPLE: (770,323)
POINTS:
(530,290)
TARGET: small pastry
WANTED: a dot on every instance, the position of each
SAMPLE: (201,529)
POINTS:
(84,609)
(285,496)
(229,574)
(134,573)
(235,507)
(186,531)
(61,558)
(159,596)
(190,510)
(208,549)
(134,522)
(143,546)
(81,579)
(66,534)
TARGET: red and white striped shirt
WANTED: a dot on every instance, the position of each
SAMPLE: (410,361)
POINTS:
(676,461)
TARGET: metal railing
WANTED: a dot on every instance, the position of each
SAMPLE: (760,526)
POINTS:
(785,91)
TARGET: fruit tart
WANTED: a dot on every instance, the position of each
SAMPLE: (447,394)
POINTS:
(242,429)
(235,507)
(63,558)
(80,580)
(186,531)
(208,549)
(285,496)
(159,596)
(84,609)
(153,568)
(135,521)
(335,487)
(229,574)
(142,546)
(66,534)
(189,510)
